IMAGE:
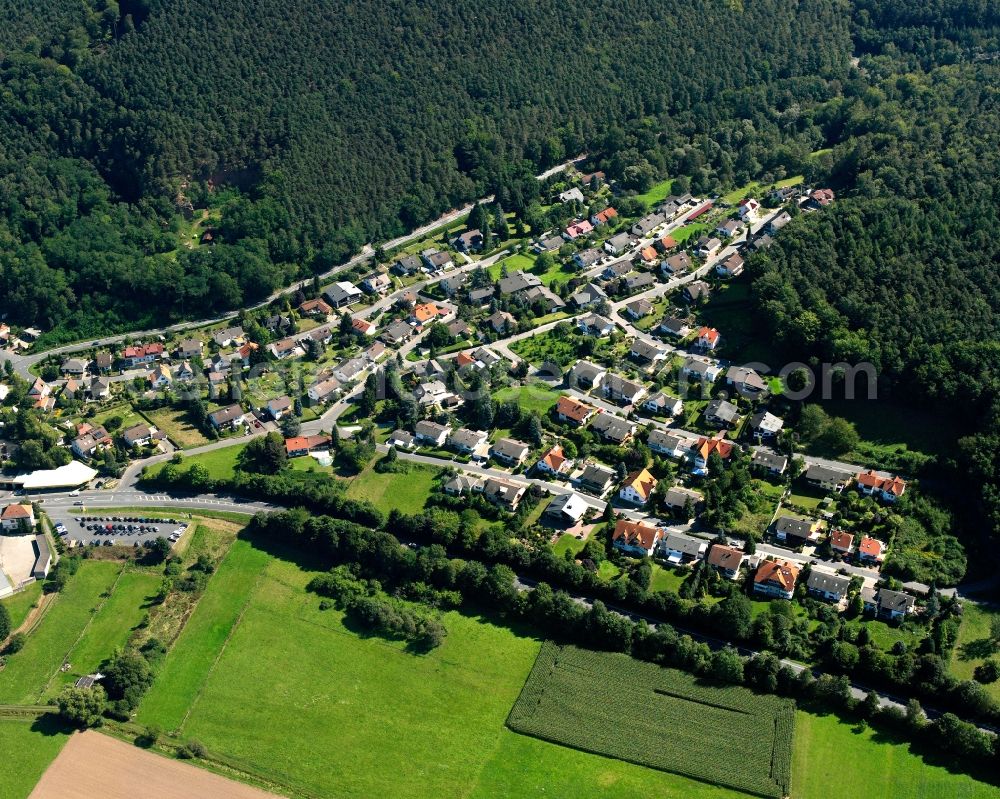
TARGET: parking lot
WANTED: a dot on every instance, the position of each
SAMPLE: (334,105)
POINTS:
(121,529)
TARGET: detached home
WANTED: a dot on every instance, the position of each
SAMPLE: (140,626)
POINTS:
(635,538)
(509,451)
(726,560)
(431,433)
(638,487)
(823,585)
(775,579)
(230,417)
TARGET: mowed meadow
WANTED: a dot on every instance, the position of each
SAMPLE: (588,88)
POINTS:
(278,688)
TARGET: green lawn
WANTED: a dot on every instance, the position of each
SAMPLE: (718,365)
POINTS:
(109,627)
(175,423)
(666,579)
(220,463)
(193,655)
(27,673)
(834,761)
(974,645)
(757,189)
(28,747)
(19,604)
(404,491)
(687,232)
(515,262)
(657,193)
(568,543)
(532,397)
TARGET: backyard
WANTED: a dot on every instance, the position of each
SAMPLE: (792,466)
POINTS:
(176,424)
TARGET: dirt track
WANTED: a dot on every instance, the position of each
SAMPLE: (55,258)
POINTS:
(94,765)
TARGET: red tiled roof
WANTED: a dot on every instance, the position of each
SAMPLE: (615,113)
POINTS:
(706,446)
(772,571)
(870,546)
(573,409)
(710,334)
(16,512)
(635,534)
(723,557)
(841,539)
(554,458)
(300,443)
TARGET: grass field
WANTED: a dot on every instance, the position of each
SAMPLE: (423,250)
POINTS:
(758,190)
(405,491)
(610,704)
(974,645)
(532,397)
(833,760)
(27,673)
(657,193)
(568,543)
(28,747)
(19,604)
(174,422)
(220,463)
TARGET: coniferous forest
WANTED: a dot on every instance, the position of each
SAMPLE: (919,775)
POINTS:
(330,124)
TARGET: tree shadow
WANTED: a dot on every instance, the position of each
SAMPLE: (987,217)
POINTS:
(52,724)
(980,649)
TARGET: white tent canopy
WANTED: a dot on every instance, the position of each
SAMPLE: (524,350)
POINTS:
(72,475)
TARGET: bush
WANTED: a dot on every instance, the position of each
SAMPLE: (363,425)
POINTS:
(82,707)
(15,644)
(191,749)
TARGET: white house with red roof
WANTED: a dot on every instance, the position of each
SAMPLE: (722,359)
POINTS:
(749,209)
(708,338)
(636,538)
(888,489)
(870,550)
(17,517)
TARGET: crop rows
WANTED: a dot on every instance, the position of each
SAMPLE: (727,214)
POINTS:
(615,706)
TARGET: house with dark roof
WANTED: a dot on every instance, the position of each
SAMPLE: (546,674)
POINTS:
(621,389)
(509,451)
(827,478)
(680,549)
(677,264)
(505,493)
(230,417)
(886,603)
(613,429)
(586,375)
(796,532)
(765,426)
(722,413)
(769,461)
(596,479)
(831,587)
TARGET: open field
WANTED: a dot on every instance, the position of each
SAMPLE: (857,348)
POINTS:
(657,193)
(406,491)
(532,397)
(836,760)
(28,746)
(92,764)
(18,605)
(220,463)
(174,422)
(27,673)
(974,644)
(758,190)
(656,717)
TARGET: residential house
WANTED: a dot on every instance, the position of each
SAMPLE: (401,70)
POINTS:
(679,549)
(18,518)
(89,440)
(648,254)
(318,308)
(277,323)
(647,224)
(341,294)
(459,328)
(431,433)
(596,478)
(103,361)
(696,291)
(888,489)
(636,538)
(469,241)
(728,229)
(664,443)
(677,498)
(229,417)
(823,585)
(796,532)
(775,579)
(141,354)
(587,296)
(730,267)
(842,542)
(699,369)
(463,484)
(502,322)
(665,244)
(433,392)
(726,560)
(826,478)
(821,198)
(406,266)
(761,243)
(888,604)
(160,377)
(74,366)
(708,246)
(705,447)
(548,244)
(505,493)
(577,229)
(285,348)
(231,336)
(613,429)
(870,550)
(363,326)
(595,325)
(426,312)
(554,462)
(592,177)
(402,439)
(749,210)
(437,261)
(374,351)
(482,296)
(608,215)
(673,327)
(638,487)
(662,403)
(585,259)
(639,281)
(467,441)
(677,264)
(509,451)
(141,435)
(708,338)
(746,381)
(303,445)
(778,222)
(722,413)
(782,195)
(431,369)
(622,390)
(769,461)
(647,353)
(376,283)
(543,294)
(189,348)
(567,508)
(397,333)
(639,308)
(765,426)
(99,388)
(618,244)
(571,195)
(573,411)
(323,390)
(586,375)
(617,269)
(276,408)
